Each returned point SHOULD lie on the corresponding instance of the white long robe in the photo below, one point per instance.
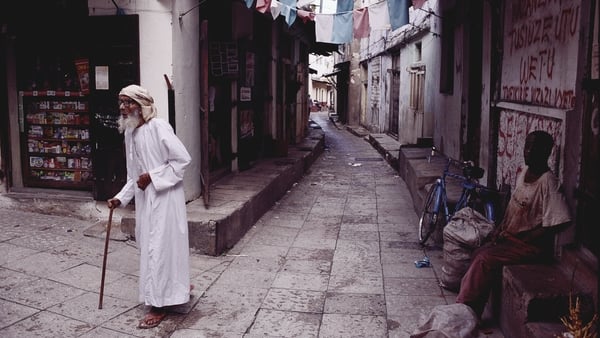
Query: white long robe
(160, 213)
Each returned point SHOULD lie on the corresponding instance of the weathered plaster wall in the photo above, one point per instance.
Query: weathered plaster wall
(539, 69)
(514, 127)
(375, 53)
(485, 151)
(355, 86)
(539, 65)
(410, 125)
(374, 95)
(449, 107)
(384, 98)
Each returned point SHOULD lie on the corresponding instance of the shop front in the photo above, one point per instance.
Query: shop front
(66, 62)
(67, 70)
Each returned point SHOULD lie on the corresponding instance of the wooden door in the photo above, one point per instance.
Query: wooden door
(394, 102)
(114, 46)
(587, 229)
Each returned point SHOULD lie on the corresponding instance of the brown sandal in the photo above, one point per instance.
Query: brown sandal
(154, 317)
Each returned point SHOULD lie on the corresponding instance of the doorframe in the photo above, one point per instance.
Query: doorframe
(105, 101)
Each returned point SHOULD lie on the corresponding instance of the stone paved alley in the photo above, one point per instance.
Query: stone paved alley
(333, 258)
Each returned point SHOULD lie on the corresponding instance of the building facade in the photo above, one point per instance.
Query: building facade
(475, 77)
(232, 82)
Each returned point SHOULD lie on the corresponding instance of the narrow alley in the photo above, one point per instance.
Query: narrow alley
(333, 258)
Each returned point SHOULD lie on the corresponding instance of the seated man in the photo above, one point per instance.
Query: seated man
(526, 235)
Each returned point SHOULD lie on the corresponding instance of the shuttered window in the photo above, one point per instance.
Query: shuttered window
(417, 87)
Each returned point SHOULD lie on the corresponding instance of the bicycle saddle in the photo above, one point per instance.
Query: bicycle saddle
(473, 172)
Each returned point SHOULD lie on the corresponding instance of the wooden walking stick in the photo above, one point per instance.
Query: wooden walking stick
(105, 254)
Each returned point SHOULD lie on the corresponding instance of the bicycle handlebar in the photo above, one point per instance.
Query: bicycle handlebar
(457, 163)
(471, 172)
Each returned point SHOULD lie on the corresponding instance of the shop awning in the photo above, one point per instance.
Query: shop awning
(338, 68)
(335, 72)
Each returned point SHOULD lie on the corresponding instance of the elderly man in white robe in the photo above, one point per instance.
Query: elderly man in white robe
(156, 161)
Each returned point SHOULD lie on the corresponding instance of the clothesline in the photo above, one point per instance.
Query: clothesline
(249, 4)
(347, 22)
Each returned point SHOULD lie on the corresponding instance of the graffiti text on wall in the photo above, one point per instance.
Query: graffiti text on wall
(540, 96)
(540, 52)
(514, 127)
(375, 90)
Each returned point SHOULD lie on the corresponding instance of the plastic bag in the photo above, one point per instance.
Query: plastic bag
(448, 321)
(468, 228)
(465, 232)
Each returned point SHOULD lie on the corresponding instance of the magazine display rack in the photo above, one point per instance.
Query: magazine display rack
(56, 129)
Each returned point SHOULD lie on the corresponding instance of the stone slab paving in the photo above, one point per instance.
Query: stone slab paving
(333, 258)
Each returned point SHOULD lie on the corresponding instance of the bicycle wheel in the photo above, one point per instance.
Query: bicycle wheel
(429, 216)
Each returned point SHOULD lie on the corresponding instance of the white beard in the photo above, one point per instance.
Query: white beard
(132, 121)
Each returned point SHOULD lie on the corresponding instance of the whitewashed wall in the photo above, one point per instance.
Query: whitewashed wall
(323, 65)
(374, 52)
(156, 42)
(169, 46)
(449, 107)
(410, 127)
(186, 82)
(448, 128)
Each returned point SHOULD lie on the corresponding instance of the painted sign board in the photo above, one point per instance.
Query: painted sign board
(540, 52)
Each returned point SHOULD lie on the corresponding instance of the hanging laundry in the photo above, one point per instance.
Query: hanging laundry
(334, 28)
(418, 3)
(379, 16)
(342, 27)
(288, 10)
(398, 11)
(275, 9)
(306, 15)
(344, 6)
(361, 23)
(324, 28)
(263, 5)
(302, 3)
(346, 23)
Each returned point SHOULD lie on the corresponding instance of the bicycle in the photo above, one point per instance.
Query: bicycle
(436, 209)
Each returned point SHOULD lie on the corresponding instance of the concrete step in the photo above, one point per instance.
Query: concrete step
(582, 267)
(544, 329)
(238, 200)
(71, 203)
(421, 172)
(533, 297)
(387, 146)
(537, 294)
(407, 153)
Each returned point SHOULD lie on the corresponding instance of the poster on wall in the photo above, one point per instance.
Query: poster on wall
(101, 77)
(541, 37)
(246, 123)
(223, 57)
(249, 69)
(83, 73)
(245, 94)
